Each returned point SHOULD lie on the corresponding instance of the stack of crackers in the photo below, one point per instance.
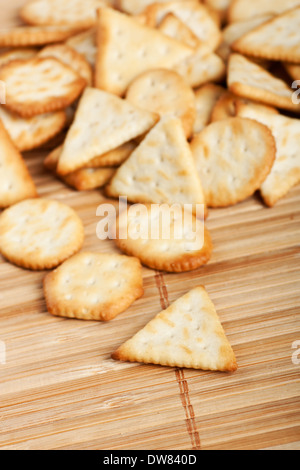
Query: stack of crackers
(176, 103)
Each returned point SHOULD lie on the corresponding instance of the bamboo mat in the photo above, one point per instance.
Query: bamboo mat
(59, 389)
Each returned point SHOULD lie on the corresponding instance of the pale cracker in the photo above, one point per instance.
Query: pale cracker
(164, 92)
(91, 136)
(241, 10)
(78, 13)
(285, 172)
(24, 36)
(17, 53)
(233, 158)
(126, 49)
(277, 39)
(201, 67)
(160, 170)
(135, 7)
(226, 106)
(94, 286)
(16, 183)
(234, 31)
(85, 44)
(31, 133)
(172, 241)
(174, 28)
(38, 86)
(70, 57)
(249, 80)
(40, 234)
(221, 7)
(193, 14)
(187, 334)
(206, 98)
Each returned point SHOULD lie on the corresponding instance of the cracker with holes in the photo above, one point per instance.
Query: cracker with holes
(90, 136)
(31, 133)
(285, 172)
(206, 98)
(233, 158)
(75, 13)
(40, 234)
(85, 44)
(94, 286)
(201, 67)
(187, 334)
(241, 10)
(24, 36)
(164, 92)
(160, 170)
(164, 237)
(249, 80)
(127, 48)
(16, 183)
(40, 85)
(70, 57)
(175, 28)
(278, 39)
(194, 15)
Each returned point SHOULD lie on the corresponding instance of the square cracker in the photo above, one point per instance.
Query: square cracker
(285, 172)
(127, 49)
(187, 334)
(16, 183)
(249, 80)
(160, 170)
(90, 136)
(277, 39)
(94, 286)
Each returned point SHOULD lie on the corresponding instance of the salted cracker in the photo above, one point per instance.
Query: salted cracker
(241, 10)
(285, 172)
(174, 28)
(164, 92)
(85, 44)
(187, 334)
(277, 39)
(93, 286)
(160, 170)
(16, 183)
(40, 234)
(193, 14)
(206, 98)
(127, 48)
(203, 66)
(78, 13)
(233, 158)
(40, 85)
(91, 136)
(31, 133)
(67, 55)
(23, 36)
(249, 80)
(164, 237)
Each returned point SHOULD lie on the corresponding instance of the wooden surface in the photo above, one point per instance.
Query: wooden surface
(60, 390)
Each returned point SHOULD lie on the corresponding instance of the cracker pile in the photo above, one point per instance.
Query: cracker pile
(181, 102)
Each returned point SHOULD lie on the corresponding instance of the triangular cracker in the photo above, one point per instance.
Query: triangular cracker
(127, 48)
(175, 28)
(249, 80)
(278, 39)
(160, 170)
(16, 183)
(285, 172)
(241, 10)
(102, 123)
(187, 334)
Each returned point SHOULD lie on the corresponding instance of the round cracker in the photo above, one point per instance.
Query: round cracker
(233, 158)
(165, 93)
(23, 36)
(40, 234)
(180, 243)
